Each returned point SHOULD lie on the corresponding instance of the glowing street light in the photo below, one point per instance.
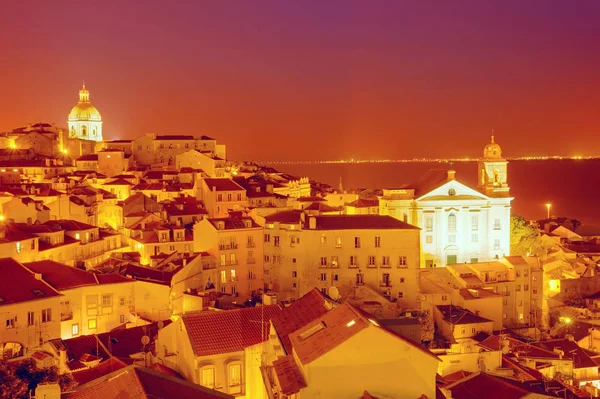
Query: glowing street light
(548, 208)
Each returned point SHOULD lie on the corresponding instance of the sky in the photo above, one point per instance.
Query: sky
(303, 80)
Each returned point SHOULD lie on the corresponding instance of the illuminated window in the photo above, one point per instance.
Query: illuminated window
(474, 238)
(223, 259)
(223, 276)
(338, 242)
(429, 223)
(474, 222)
(323, 239)
(18, 247)
(232, 258)
(75, 329)
(497, 224)
(207, 377)
(77, 236)
(312, 331)
(452, 222)
(232, 274)
(452, 239)
(234, 377)
(334, 261)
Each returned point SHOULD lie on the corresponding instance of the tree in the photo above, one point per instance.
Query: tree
(427, 327)
(17, 379)
(524, 238)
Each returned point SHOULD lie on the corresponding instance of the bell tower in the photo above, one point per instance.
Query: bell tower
(492, 172)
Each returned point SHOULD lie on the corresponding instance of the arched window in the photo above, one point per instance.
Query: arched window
(452, 222)
(207, 376)
(84, 131)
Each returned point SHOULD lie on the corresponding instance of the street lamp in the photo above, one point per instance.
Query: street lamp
(548, 208)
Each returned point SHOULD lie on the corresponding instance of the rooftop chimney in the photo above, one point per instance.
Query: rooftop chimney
(451, 174)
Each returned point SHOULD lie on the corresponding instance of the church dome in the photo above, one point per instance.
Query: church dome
(492, 151)
(84, 110)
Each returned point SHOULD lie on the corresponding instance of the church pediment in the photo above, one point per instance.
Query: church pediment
(451, 191)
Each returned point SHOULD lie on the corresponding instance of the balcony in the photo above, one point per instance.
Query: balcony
(250, 245)
(385, 266)
(64, 316)
(372, 266)
(323, 266)
(227, 246)
(335, 265)
(353, 266)
(385, 283)
(251, 261)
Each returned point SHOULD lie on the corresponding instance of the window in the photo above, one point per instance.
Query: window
(30, 318)
(429, 223)
(385, 261)
(429, 239)
(474, 238)
(232, 259)
(353, 261)
(312, 331)
(294, 285)
(267, 238)
(223, 258)
(335, 277)
(46, 315)
(377, 242)
(371, 261)
(474, 260)
(526, 287)
(323, 277)
(223, 276)
(444, 297)
(474, 222)
(207, 377)
(220, 197)
(75, 329)
(276, 241)
(294, 274)
(323, 239)
(229, 197)
(122, 318)
(402, 261)
(452, 239)
(356, 242)
(323, 261)
(504, 316)
(121, 301)
(496, 244)
(338, 242)
(520, 302)
(534, 291)
(401, 279)
(525, 273)
(534, 278)
(517, 273)
(234, 378)
(10, 323)
(106, 300)
(400, 294)
(18, 247)
(452, 222)
(334, 261)
(496, 224)
(267, 258)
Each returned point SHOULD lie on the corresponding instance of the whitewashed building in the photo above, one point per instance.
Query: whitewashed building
(458, 223)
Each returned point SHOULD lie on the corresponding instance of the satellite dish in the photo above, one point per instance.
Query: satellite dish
(145, 340)
(334, 293)
(161, 324)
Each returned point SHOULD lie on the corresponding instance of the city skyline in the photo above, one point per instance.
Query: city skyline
(313, 81)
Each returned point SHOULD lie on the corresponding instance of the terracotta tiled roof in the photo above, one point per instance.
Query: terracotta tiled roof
(357, 222)
(289, 375)
(571, 350)
(19, 284)
(457, 315)
(290, 217)
(318, 337)
(431, 180)
(148, 187)
(318, 206)
(483, 385)
(456, 376)
(311, 199)
(525, 350)
(69, 225)
(79, 347)
(62, 277)
(125, 342)
(364, 203)
(147, 274)
(309, 307)
(212, 333)
(477, 293)
(222, 184)
(104, 368)
(174, 137)
(233, 223)
(141, 383)
(88, 157)
(118, 182)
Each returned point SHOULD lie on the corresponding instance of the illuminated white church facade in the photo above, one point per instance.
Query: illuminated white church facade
(458, 223)
(84, 120)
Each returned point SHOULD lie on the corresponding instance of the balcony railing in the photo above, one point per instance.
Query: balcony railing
(385, 283)
(251, 261)
(323, 266)
(385, 265)
(227, 246)
(251, 245)
(353, 266)
(372, 266)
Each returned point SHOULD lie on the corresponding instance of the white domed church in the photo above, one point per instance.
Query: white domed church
(85, 121)
(459, 224)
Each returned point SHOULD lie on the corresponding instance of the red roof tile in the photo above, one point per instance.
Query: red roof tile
(142, 383)
(174, 137)
(364, 203)
(309, 307)
(23, 286)
(222, 184)
(123, 343)
(104, 368)
(62, 277)
(289, 375)
(228, 331)
(352, 222)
